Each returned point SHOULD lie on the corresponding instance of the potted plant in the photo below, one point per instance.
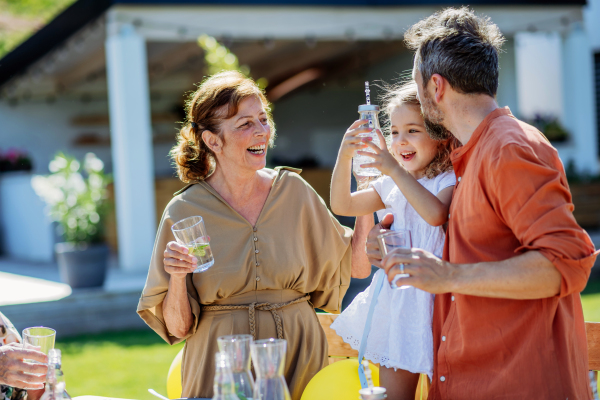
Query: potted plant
(76, 195)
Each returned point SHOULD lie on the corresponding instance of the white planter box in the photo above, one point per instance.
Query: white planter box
(25, 230)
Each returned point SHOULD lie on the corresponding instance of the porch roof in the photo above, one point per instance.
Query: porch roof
(83, 12)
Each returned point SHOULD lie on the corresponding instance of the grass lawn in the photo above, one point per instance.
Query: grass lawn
(590, 299)
(117, 364)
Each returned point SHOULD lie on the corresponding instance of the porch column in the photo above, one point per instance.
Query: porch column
(578, 97)
(131, 138)
(507, 88)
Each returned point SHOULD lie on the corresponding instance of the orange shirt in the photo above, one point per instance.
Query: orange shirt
(511, 197)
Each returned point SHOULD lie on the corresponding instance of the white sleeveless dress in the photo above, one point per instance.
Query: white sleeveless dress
(401, 335)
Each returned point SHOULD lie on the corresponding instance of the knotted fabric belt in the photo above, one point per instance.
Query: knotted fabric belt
(252, 307)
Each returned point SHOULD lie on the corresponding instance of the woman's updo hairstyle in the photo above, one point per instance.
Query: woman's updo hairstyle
(217, 98)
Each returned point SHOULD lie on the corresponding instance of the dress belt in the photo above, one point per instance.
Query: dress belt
(260, 307)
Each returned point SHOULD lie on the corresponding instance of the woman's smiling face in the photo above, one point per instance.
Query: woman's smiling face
(411, 144)
(246, 136)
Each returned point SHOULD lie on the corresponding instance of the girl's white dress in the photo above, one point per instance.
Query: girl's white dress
(401, 335)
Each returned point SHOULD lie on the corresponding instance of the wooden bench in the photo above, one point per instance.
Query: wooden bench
(340, 350)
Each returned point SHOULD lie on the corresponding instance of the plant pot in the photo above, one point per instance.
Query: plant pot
(82, 266)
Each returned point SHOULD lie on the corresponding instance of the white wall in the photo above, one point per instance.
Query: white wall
(539, 74)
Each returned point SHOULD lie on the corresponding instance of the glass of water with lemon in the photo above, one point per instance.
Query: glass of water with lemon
(191, 233)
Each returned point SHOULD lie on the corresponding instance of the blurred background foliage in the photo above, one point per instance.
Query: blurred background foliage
(19, 19)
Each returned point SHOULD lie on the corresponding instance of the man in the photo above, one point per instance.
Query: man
(508, 322)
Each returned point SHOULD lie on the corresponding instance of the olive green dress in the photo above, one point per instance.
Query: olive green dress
(297, 247)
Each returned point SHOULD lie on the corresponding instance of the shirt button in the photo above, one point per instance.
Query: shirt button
(256, 251)
(254, 229)
(257, 264)
(442, 378)
(452, 298)
(448, 215)
(443, 338)
(459, 178)
(257, 278)
(255, 238)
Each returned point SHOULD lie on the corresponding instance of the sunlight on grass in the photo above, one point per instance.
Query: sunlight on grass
(121, 364)
(590, 300)
(591, 307)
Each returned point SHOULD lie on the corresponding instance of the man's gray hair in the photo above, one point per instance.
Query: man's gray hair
(460, 46)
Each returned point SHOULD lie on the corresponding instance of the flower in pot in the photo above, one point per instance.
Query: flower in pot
(76, 196)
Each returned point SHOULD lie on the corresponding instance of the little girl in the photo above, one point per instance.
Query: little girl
(416, 186)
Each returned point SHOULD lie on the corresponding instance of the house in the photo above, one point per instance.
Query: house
(110, 76)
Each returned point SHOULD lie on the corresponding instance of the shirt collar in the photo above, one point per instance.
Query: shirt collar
(481, 128)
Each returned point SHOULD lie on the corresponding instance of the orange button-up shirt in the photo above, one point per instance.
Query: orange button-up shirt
(512, 197)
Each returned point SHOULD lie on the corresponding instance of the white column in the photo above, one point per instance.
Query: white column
(578, 96)
(508, 94)
(131, 137)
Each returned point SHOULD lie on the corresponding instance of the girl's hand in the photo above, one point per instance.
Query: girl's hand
(178, 263)
(352, 141)
(383, 160)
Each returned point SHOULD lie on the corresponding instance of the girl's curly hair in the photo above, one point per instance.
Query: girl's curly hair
(405, 93)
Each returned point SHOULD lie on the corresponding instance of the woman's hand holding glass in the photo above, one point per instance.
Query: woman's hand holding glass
(383, 160)
(177, 260)
(353, 140)
(16, 372)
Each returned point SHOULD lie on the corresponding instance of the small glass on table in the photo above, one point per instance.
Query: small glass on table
(393, 240)
(191, 233)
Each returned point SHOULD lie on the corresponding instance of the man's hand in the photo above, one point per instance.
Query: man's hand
(15, 372)
(427, 272)
(372, 245)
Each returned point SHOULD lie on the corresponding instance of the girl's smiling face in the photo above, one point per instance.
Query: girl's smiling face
(411, 144)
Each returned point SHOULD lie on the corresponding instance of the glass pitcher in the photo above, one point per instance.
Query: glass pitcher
(268, 357)
(237, 347)
(224, 387)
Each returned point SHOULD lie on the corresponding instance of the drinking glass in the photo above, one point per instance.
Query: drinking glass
(40, 337)
(369, 113)
(392, 240)
(268, 357)
(237, 348)
(191, 233)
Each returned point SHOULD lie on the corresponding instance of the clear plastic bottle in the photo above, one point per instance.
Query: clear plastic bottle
(224, 387)
(369, 112)
(55, 379)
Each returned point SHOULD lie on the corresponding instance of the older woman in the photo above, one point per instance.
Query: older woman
(273, 240)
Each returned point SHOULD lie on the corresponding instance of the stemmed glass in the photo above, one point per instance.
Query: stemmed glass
(392, 240)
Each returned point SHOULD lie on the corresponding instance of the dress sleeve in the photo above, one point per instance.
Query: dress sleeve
(447, 179)
(534, 201)
(327, 246)
(157, 283)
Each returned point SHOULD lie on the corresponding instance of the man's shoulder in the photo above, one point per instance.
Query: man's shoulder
(507, 133)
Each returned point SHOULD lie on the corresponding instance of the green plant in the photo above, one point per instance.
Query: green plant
(76, 200)
(219, 58)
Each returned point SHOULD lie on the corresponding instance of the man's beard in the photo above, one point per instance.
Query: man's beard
(433, 118)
